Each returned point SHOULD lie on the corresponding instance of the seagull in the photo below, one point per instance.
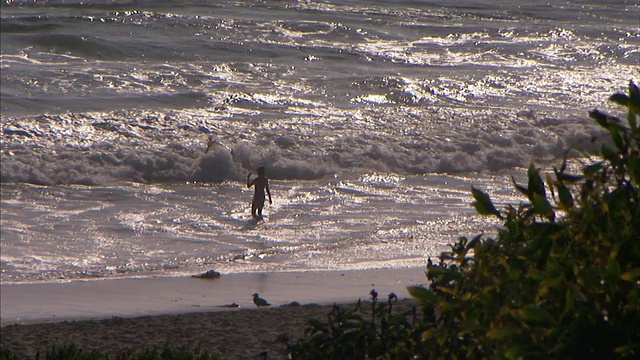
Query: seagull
(259, 301)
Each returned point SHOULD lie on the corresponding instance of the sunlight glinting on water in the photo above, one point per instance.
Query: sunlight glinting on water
(128, 127)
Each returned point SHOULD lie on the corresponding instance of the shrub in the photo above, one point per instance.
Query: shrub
(561, 279)
(350, 334)
(6, 354)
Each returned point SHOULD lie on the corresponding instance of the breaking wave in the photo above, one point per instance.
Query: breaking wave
(153, 147)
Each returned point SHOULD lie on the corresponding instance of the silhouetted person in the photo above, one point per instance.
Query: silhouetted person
(261, 184)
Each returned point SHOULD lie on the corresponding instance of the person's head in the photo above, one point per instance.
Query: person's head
(260, 171)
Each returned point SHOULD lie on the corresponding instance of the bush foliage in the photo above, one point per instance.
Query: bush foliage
(560, 280)
(360, 333)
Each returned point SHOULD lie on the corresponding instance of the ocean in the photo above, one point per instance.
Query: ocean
(129, 127)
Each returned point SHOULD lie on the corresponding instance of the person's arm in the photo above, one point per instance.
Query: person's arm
(248, 182)
(268, 192)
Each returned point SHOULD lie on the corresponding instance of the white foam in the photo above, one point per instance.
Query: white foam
(70, 149)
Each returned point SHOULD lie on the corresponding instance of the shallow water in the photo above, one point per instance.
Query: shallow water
(64, 232)
(129, 126)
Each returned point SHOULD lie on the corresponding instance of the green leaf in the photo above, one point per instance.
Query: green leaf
(631, 276)
(501, 333)
(567, 177)
(617, 138)
(634, 98)
(569, 299)
(599, 117)
(620, 99)
(536, 185)
(474, 242)
(564, 195)
(317, 324)
(422, 294)
(542, 206)
(517, 351)
(633, 164)
(609, 154)
(588, 276)
(631, 119)
(539, 275)
(519, 187)
(483, 203)
(536, 314)
(613, 267)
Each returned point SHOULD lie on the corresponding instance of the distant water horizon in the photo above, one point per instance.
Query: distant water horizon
(128, 127)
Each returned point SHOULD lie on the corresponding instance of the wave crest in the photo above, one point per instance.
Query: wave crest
(151, 147)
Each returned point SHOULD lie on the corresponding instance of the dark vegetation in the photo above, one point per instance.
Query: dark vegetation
(560, 280)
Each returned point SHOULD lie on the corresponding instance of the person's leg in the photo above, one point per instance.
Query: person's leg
(260, 206)
(254, 207)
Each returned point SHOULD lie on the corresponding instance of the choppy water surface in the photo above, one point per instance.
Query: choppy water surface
(63, 232)
(129, 127)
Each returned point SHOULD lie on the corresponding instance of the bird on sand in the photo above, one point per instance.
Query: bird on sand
(259, 301)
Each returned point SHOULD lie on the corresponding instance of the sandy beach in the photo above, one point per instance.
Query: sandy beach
(113, 315)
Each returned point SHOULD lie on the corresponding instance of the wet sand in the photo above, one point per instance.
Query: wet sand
(114, 315)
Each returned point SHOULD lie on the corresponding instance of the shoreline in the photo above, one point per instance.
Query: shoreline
(262, 333)
(113, 316)
(100, 299)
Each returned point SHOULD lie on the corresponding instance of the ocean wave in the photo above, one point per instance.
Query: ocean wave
(154, 147)
(83, 59)
(25, 25)
(14, 104)
(81, 3)
(306, 89)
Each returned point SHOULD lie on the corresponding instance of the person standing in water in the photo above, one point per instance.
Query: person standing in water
(261, 184)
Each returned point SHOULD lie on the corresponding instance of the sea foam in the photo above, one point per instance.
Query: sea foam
(155, 147)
